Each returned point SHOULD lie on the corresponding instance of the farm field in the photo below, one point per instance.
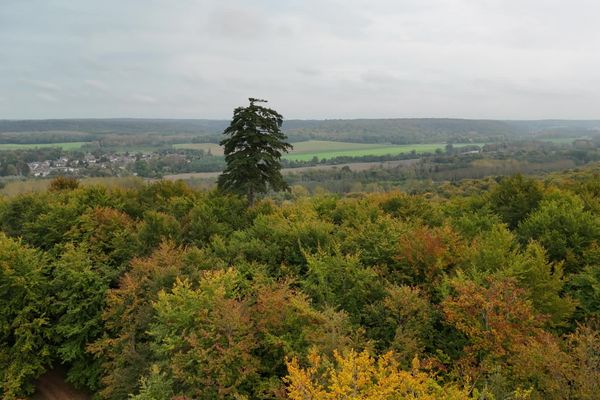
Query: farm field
(305, 151)
(19, 146)
(214, 148)
(310, 146)
(380, 150)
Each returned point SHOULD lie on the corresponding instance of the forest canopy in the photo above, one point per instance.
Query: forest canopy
(488, 291)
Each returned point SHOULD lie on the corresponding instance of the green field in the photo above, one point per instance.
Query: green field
(378, 150)
(64, 146)
(311, 146)
(305, 151)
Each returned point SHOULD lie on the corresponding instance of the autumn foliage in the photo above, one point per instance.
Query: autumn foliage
(486, 291)
(360, 376)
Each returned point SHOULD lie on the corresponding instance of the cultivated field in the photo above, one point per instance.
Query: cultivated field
(305, 151)
(64, 146)
(214, 148)
(328, 152)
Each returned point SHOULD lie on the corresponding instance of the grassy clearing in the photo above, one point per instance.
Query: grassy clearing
(64, 146)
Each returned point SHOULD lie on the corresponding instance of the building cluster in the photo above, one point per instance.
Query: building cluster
(75, 166)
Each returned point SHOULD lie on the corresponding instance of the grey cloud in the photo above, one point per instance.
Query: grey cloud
(143, 98)
(38, 84)
(47, 97)
(92, 63)
(379, 77)
(311, 58)
(237, 23)
(97, 85)
(308, 71)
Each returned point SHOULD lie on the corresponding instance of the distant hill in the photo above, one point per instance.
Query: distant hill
(116, 125)
(555, 124)
(558, 128)
(399, 131)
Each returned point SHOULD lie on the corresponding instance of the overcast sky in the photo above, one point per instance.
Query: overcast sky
(513, 59)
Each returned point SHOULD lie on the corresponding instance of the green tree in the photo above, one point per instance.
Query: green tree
(253, 150)
(25, 349)
(76, 300)
(585, 286)
(402, 322)
(544, 282)
(515, 198)
(124, 349)
(156, 227)
(206, 337)
(563, 226)
(339, 280)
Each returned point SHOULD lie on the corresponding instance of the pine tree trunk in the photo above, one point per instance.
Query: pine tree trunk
(250, 196)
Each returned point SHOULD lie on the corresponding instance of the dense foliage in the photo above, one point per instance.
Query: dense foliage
(485, 290)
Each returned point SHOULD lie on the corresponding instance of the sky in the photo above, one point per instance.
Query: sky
(312, 59)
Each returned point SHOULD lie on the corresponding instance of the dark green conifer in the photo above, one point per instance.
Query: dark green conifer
(253, 151)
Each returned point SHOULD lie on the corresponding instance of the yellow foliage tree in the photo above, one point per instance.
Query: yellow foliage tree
(360, 376)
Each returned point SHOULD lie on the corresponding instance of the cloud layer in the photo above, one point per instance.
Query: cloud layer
(313, 59)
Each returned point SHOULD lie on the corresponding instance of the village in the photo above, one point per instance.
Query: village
(70, 165)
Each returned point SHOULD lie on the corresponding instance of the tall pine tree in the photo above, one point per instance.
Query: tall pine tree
(253, 151)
